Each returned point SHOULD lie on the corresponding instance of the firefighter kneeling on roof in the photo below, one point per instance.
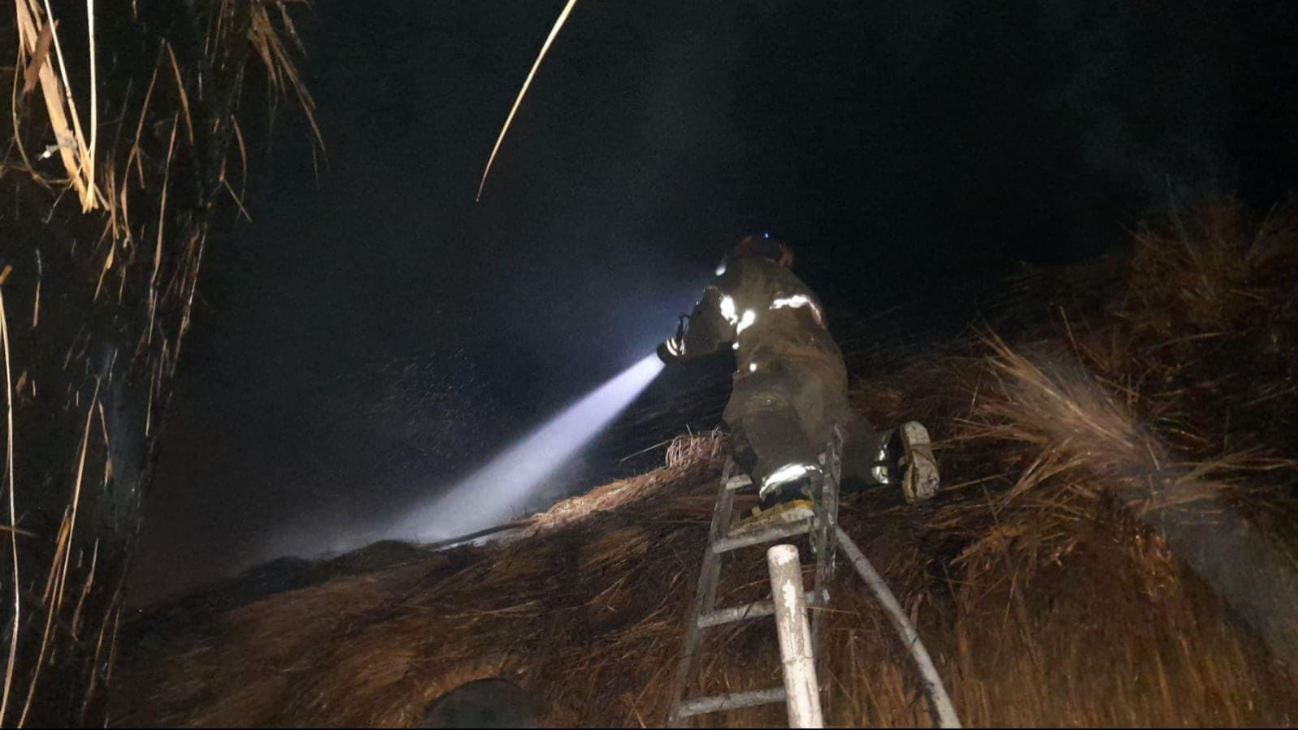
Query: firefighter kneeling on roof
(790, 388)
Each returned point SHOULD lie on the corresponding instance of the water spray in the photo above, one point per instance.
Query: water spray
(494, 494)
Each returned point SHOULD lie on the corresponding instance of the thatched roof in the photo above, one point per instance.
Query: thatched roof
(1065, 576)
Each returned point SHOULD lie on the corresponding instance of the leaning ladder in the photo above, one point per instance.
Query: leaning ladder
(823, 531)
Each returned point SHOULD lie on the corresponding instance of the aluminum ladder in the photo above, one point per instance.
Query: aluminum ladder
(823, 532)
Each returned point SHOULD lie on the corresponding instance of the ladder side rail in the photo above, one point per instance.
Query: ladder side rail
(705, 596)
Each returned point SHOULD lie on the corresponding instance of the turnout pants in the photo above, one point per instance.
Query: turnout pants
(785, 413)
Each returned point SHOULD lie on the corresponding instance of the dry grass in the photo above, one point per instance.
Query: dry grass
(38, 31)
(11, 659)
(522, 93)
(63, 148)
(93, 173)
(1215, 275)
(267, 39)
(1055, 580)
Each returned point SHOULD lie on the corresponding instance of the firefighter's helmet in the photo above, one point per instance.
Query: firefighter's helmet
(764, 246)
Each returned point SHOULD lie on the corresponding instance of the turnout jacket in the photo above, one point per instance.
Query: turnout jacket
(786, 358)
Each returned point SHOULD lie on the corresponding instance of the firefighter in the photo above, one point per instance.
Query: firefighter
(790, 387)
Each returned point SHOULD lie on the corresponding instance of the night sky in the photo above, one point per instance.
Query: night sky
(374, 332)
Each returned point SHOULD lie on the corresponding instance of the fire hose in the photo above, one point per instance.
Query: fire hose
(933, 686)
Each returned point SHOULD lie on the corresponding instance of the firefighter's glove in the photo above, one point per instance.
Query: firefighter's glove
(671, 351)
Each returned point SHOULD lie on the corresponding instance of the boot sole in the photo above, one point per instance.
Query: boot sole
(922, 480)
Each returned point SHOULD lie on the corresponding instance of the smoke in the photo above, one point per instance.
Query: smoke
(1140, 89)
(499, 491)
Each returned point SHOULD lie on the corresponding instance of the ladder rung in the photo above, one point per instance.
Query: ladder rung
(738, 482)
(772, 534)
(758, 609)
(735, 701)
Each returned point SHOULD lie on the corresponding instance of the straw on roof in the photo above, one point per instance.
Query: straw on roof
(1067, 575)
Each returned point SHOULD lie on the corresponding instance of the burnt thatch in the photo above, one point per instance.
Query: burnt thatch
(1100, 469)
(122, 140)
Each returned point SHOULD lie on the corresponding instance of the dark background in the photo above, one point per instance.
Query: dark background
(374, 332)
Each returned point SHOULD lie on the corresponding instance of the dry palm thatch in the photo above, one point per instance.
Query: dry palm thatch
(122, 119)
(1054, 579)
